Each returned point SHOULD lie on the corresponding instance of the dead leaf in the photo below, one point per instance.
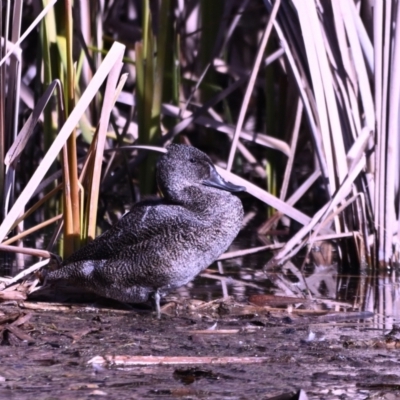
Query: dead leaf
(4, 319)
(275, 301)
(19, 333)
(77, 335)
(15, 295)
(22, 319)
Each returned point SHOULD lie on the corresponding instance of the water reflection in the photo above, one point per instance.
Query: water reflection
(380, 293)
(6, 263)
(377, 292)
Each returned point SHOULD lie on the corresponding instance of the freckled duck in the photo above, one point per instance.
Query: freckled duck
(161, 244)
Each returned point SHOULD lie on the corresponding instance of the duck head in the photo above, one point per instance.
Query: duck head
(185, 168)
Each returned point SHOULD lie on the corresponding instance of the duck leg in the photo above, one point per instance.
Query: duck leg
(157, 298)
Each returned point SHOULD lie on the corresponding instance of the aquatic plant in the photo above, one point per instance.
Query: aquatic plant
(303, 96)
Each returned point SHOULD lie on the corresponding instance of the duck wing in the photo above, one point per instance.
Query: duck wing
(132, 229)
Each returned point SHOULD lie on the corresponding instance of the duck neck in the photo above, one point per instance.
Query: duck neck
(200, 199)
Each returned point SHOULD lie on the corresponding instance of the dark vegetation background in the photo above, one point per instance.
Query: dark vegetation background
(297, 98)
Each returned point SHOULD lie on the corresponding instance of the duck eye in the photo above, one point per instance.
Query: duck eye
(192, 160)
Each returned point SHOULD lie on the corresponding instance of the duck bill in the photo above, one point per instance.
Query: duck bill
(216, 180)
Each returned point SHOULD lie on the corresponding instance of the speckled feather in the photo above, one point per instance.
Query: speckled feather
(160, 244)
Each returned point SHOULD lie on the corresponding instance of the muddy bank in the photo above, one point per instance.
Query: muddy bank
(211, 351)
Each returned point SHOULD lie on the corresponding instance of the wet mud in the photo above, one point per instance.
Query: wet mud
(216, 350)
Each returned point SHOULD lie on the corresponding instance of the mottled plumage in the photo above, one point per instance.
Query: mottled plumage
(161, 244)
